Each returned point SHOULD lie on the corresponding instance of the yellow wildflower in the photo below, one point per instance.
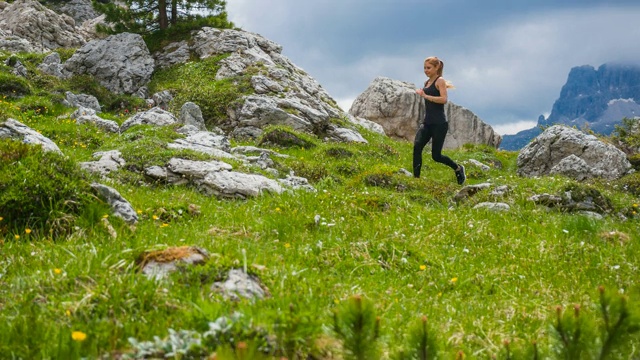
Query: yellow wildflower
(139, 211)
(423, 267)
(1, 218)
(67, 312)
(164, 225)
(454, 280)
(155, 217)
(57, 271)
(27, 231)
(277, 209)
(336, 301)
(17, 236)
(287, 245)
(78, 336)
(105, 216)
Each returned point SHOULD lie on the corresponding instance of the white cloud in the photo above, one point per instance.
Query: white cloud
(514, 127)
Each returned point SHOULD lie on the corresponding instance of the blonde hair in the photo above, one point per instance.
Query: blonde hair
(439, 65)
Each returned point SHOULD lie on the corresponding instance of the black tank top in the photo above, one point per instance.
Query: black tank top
(435, 112)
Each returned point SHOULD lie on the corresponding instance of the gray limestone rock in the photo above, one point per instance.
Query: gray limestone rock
(14, 129)
(119, 205)
(570, 152)
(240, 284)
(42, 27)
(190, 114)
(107, 162)
(121, 63)
(154, 116)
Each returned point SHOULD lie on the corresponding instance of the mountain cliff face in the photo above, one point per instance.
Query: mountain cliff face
(594, 98)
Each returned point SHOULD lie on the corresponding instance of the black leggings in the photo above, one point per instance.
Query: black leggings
(437, 133)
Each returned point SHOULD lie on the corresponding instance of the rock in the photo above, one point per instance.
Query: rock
(470, 190)
(190, 114)
(500, 191)
(172, 54)
(345, 135)
(367, 124)
(240, 284)
(214, 178)
(493, 206)
(79, 10)
(43, 28)
(159, 264)
(154, 116)
(399, 110)
(205, 142)
(162, 99)
(477, 163)
(571, 153)
(82, 100)
(465, 127)
(107, 162)
(121, 62)
(15, 44)
(84, 115)
(120, 207)
(19, 69)
(393, 104)
(51, 65)
(297, 182)
(14, 129)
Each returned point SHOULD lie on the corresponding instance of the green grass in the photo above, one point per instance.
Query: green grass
(404, 245)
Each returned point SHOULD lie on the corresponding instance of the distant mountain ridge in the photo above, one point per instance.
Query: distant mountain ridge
(594, 98)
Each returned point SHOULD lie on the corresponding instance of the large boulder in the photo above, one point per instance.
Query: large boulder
(79, 10)
(572, 153)
(42, 27)
(395, 105)
(121, 63)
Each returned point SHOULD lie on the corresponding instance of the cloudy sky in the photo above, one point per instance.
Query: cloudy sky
(507, 59)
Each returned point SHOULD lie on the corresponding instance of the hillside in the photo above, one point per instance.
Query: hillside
(335, 253)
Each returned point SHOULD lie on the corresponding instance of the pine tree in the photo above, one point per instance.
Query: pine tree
(148, 16)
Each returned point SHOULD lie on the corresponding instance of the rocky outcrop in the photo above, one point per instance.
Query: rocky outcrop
(41, 27)
(572, 153)
(121, 63)
(13, 129)
(395, 105)
(284, 93)
(79, 10)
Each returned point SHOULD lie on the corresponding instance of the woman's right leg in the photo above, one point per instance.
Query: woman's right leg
(422, 138)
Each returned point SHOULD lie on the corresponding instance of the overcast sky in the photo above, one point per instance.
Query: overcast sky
(507, 59)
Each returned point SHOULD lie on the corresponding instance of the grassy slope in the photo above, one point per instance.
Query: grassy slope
(480, 277)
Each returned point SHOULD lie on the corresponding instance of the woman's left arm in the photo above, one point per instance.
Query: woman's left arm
(441, 84)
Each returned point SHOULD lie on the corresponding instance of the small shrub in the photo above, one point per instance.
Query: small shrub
(13, 86)
(286, 138)
(339, 153)
(40, 189)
